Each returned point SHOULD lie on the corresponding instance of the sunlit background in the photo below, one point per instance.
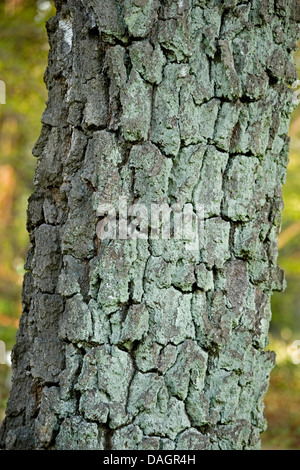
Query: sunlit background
(23, 57)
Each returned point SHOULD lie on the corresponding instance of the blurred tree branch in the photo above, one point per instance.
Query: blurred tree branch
(289, 233)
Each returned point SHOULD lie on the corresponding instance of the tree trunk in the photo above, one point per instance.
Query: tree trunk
(143, 343)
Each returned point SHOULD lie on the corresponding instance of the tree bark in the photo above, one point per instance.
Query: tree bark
(142, 343)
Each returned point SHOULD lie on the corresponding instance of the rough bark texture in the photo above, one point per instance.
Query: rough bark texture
(142, 344)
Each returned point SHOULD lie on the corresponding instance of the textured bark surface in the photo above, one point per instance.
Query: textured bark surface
(143, 344)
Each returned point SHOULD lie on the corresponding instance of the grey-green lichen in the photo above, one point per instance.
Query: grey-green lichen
(144, 344)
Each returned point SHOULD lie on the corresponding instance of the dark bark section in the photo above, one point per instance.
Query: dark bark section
(142, 344)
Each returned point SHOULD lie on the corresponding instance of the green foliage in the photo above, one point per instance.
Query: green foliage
(23, 55)
(286, 307)
(283, 409)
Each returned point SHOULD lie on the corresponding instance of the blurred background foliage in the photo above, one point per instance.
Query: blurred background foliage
(23, 58)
